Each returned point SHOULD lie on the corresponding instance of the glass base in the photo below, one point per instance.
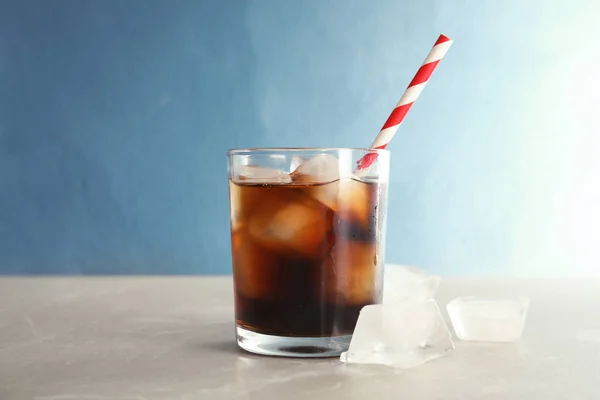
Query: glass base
(285, 346)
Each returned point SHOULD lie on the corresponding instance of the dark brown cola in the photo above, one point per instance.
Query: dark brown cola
(306, 256)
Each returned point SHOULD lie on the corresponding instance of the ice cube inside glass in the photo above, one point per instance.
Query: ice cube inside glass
(308, 242)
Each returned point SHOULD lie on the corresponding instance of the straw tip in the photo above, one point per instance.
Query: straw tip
(443, 39)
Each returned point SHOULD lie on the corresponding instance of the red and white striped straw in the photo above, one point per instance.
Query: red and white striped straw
(411, 94)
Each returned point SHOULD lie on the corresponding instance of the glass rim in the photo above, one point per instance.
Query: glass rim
(249, 150)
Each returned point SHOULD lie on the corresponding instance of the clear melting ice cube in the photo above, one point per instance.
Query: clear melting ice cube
(401, 335)
(404, 283)
(295, 162)
(488, 320)
(319, 169)
(257, 174)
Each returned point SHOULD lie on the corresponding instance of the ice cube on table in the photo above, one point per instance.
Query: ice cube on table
(408, 283)
(488, 320)
(401, 335)
(321, 168)
(258, 174)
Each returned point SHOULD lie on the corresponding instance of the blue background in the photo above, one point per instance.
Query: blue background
(115, 117)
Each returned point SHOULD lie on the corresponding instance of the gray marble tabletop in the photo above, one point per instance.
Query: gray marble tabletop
(151, 338)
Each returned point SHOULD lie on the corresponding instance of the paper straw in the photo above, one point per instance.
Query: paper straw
(411, 94)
